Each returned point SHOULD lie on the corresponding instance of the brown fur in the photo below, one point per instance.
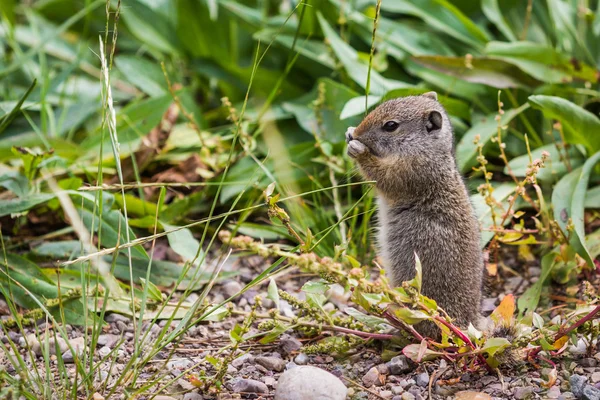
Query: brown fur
(424, 205)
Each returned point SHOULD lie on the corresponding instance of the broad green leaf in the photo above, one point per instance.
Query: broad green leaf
(150, 27)
(356, 68)
(8, 118)
(144, 74)
(486, 71)
(568, 199)
(273, 292)
(541, 62)
(466, 150)
(443, 16)
(493, 346)
(410, 316)
(369, 320)
(28, 275)
(184, 243)
(111, 228)
(16, 206)
(580, 126)
(325, 121)
(315, 287)
(74, 314)
(492, 11)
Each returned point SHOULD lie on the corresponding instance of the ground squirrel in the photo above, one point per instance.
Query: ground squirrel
(406, 145)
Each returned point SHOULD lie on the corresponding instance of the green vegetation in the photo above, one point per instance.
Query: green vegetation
(123, 124)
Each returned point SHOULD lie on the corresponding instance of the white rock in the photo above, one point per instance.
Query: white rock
(309, 383)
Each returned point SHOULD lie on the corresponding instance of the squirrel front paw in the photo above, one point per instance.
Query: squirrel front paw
(356, 148)
(349, 133)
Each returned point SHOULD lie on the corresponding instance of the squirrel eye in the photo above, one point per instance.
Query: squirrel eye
(390, 126)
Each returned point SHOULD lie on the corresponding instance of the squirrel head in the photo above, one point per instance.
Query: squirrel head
(403, 140)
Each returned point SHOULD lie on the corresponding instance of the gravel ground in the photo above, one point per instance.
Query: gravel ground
(256, 370)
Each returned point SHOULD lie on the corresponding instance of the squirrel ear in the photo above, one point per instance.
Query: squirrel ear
(431, 95)
(434, 121)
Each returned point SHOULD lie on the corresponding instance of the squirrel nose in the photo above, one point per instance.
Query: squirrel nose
(349, 133)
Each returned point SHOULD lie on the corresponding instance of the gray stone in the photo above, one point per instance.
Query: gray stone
(289, 344)
(590, 393)
(522, 393)
(231, 288)
(114, 317)
(577, 382)
(193, 396)
(398, 365)
(238, 362)
(553, 392)
(309, 383)
(488, 305)
(370, 377)
(596, 377)
(271, 363)
(301, 359)
(108, 340)
(249, 386)
(423, 379)
(386, 394)
(408, 396)
(588, 362)
(397, 389)
(179, 364)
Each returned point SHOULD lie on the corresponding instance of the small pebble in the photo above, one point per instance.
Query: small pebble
(249, 386)
(522, 393)
(370, 377)
(271, 363)
(423, 379)
(309, 383)
(398, 365)
(301, 359)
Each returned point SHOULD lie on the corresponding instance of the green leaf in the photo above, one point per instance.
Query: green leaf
(184, 243)
(356, 68)
(568, 199)
(492, 11)
(150, 27)
(443, 16)
(8, 118)
(369, 320)
(529, 300)
(541, 62)
(411, 317)
(75, 314)
(273, 292)
(28, 275)
(275, 333)
(486, 71)
(144, 74)
(580, 126)
(153, 291)
(16, 206)
(493, 346)
(486, 128)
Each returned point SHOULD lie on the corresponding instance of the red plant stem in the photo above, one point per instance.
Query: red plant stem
(577, 324)
(456, 331)
(396, 322)
(367, 335)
